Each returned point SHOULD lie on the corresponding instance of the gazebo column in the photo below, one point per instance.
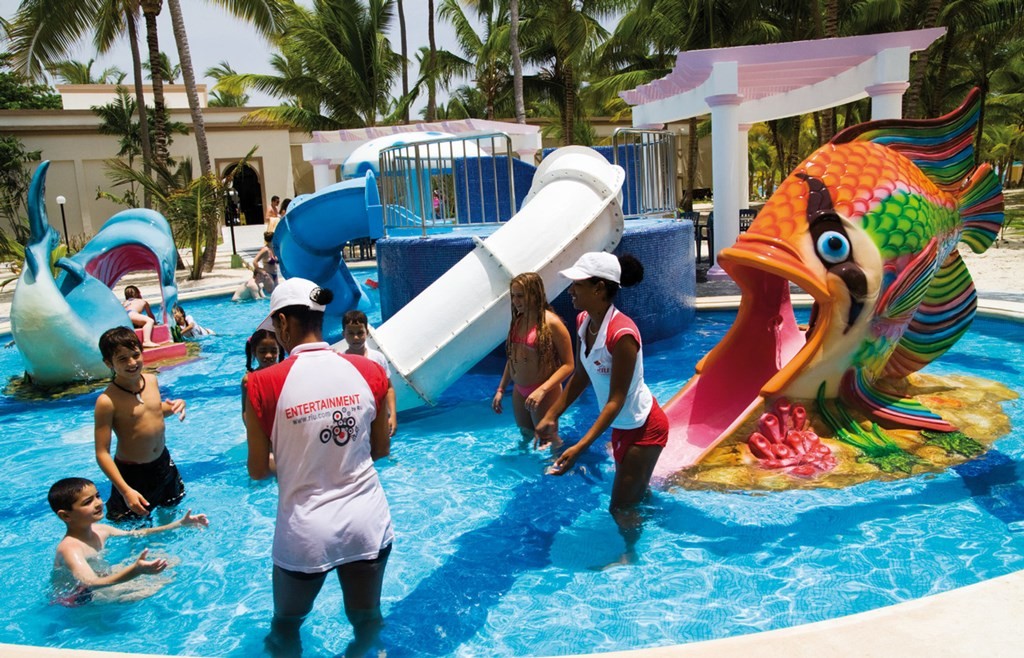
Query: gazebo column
(322, 174)
(892, 70)
(725, 178)
(743, 164)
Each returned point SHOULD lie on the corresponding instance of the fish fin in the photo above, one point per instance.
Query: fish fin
(75, 270)
(904, 294)
(981, 208)
(943, 317)
(888, 408)
(943, 148)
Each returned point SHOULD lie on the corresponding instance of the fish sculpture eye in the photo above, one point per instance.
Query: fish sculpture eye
(833, 247)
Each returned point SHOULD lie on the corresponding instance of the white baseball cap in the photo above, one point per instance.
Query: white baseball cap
(292, 292)
(594, 264)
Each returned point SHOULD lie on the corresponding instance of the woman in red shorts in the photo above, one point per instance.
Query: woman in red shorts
(609, 357)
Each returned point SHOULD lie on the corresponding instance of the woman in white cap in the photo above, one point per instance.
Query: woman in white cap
(609, 357)
(317, 412)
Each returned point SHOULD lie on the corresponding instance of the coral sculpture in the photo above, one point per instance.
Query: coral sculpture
(786, 441)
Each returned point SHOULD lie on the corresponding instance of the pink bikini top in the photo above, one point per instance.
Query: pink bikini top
(530, 341)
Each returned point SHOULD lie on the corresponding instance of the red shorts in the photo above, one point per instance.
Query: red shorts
(654, 432)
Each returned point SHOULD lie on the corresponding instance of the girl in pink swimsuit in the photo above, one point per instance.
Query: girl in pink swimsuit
(539, 353)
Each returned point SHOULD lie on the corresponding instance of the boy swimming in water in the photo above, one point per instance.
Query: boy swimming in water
(78, 504)
(142, 473)
(357, 326)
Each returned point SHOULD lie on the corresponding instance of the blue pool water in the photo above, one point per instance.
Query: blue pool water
(493, 558)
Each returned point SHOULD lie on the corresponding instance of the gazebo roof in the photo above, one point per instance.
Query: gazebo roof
(778, 79)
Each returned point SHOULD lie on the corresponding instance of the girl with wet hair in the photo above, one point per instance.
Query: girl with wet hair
(539, 356)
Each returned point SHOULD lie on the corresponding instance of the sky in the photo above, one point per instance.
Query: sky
(215, 36)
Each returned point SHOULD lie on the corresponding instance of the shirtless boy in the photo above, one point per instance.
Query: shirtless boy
(140, 314)
(142, 473)
(78, 504)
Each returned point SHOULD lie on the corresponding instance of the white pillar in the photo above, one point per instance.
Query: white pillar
(743, 165)
(887, 100)
(322, 174)
(725, 181)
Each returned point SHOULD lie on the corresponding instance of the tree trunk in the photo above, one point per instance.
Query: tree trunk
(405, 58)
(150, 10)
(189, 78)
(935, 106)
(517, 61)
(828, 115)
(913, 104)
(140, 104)
(432, 85)
(569, 116)
(693, 151)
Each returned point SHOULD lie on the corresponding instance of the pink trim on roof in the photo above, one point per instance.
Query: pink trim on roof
(454, 127)
(777, 68)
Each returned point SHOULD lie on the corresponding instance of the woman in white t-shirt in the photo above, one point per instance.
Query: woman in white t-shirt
(320, 414)
(609, 357)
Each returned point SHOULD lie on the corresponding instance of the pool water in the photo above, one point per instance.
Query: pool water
(493, 558)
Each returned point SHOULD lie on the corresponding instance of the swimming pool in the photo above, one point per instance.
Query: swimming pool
(493, 558)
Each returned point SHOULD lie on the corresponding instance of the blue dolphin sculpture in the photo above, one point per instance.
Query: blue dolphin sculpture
(57, 321)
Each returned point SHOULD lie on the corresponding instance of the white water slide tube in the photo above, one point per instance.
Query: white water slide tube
(573, 207)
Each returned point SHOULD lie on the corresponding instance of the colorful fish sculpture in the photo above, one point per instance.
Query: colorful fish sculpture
(868, 226)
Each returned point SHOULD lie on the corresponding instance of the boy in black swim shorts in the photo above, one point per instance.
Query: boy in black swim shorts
(142, 473)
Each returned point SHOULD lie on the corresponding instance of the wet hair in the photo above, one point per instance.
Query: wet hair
(253, 342)
(535, 315)
(176, 308)
(632, 273)
(64, 493)
(132, 292)
(355, 316)
(268, 236)
(308, 319)
(115, 338)
(284, 206)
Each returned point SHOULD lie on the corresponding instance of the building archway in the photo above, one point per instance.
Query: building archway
(250, 193)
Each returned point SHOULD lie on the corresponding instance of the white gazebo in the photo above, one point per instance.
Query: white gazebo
(743, 85)
(330, 149)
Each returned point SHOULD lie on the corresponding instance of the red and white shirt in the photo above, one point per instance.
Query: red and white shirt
(317, 407)
(598, 365)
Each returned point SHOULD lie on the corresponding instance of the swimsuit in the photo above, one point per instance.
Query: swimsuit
(80, 595)
(530, 343)
(526, 390)
(158, 481)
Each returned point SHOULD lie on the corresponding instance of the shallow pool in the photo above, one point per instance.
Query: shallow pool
(493, 558)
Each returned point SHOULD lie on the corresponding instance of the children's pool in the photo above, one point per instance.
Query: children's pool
(492, 557)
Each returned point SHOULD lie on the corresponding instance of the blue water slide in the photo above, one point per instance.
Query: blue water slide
(309, 238)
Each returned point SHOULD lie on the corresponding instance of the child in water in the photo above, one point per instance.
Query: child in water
(141, 471)
(539, 353)
(78, 504)
(264, 348)
(357, 326)
(140, 314)
(187, 325)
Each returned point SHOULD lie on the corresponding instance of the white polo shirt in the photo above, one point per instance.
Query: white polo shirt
(317, 407)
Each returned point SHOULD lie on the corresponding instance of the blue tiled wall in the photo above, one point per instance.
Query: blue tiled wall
(663, 305)
(487, 200)
(628, 161)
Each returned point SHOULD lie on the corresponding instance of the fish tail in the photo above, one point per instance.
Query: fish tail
(981, 208)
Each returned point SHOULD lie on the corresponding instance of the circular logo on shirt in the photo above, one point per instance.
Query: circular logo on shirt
(341, 430)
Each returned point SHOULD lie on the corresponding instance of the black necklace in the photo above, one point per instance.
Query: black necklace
(137, 394)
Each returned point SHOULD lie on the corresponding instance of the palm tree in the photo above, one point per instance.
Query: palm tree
(430, 63)
(72, 72)
(224, 94)
(42, 31)
(168, 72)
(517, 60)
(561, 36)
(405, 57)
(334, 71)
(488, 51)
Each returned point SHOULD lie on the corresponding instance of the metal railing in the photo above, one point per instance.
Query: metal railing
(447, 182)
(649, 159)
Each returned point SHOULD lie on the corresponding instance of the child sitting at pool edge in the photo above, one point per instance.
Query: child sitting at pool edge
(140, 314)
(142, 473)
(78, 504)
(356, 327)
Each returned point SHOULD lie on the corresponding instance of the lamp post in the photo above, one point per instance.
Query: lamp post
(232, 194)
(64, 220)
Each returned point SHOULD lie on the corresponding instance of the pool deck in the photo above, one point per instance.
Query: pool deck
(977, 619)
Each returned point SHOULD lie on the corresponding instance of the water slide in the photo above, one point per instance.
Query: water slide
(573, 207)
(309, 238)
